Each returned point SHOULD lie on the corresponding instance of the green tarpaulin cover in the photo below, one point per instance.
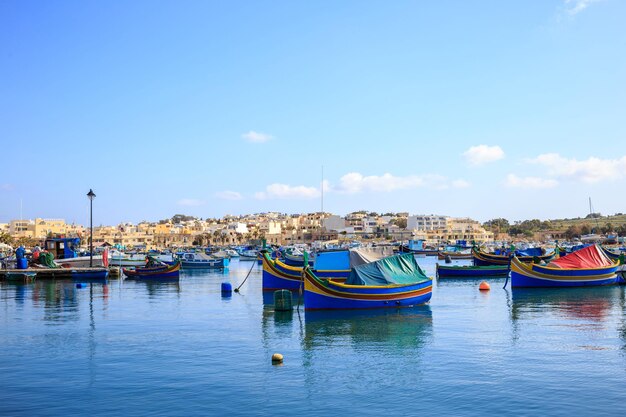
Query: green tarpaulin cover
(398, 269)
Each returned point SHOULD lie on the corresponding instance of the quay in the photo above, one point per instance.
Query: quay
(58, 273)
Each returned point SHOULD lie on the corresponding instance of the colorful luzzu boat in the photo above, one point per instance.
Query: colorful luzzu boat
(395, 281)
(586, 267)
(482, 258)
(164, 272)
(279, 276)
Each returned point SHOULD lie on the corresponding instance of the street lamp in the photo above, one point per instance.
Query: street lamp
(91, 195)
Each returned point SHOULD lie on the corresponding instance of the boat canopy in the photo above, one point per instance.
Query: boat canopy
(398, 269)
(332, 261)
(529, 252)
(368, 255)
(590, 257)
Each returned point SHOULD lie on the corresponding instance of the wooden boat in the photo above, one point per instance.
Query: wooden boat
(92, 274)
(457, 271)
(279, 276)
(395, 281)
(482, 258)
(417, 247)
(16, 275)
(441, 255)
(193, 260)
(169, 272)
(586, 267)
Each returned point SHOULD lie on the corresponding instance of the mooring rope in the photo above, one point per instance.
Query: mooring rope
(244, 281)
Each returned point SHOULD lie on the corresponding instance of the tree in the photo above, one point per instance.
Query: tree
(401, 222)
(497, 225)
(6, 238)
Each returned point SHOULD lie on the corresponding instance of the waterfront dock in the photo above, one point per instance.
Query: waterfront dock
(57, 273)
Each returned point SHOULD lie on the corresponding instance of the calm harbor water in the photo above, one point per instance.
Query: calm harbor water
(134, 348)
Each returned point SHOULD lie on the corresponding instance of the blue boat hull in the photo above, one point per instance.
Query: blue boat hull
(276, 276)
(329, 295)
(532, 275)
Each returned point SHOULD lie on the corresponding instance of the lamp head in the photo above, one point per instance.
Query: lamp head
(91, 195)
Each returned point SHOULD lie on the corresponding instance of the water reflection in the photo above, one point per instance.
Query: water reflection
(593, 304)
(408, 328)
(156, 289)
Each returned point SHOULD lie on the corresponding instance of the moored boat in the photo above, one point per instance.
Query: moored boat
(395, 281)
(441, 255)
(482, 258)
(196, 260)
(278, 275)
(586, 267)
(169, 272)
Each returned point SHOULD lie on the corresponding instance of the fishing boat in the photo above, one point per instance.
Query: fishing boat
(66, 253)
(163, 271)
(89, 274)
(482, 258)
(441, 255)
(417, 247)
(470, 271)
(395, 281)
(586, 267)
(196, 260)
(125, 260)
(278, 275)
(249, 255)
(17, 275)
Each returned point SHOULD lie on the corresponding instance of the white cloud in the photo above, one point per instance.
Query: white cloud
(190, 202)
(513, 181)
(355, 182)
(284, 191)
(483, 154)
(460, 183)
(257, 137)
(591, 170)
(573, 7)
(6, 187)
(229, 195)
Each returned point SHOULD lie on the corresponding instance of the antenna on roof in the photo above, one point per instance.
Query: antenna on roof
(322, 190)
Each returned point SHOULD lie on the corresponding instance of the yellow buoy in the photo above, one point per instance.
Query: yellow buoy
(484, 286)
(277, 358)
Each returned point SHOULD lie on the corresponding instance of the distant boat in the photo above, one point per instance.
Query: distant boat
(395, 281)
(196, 260)
(482, 258)
(589, 266)
(454, 255)
(249, 255)
(158, 272)
(417, 247)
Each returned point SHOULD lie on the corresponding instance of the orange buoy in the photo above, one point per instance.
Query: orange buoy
(484, 286)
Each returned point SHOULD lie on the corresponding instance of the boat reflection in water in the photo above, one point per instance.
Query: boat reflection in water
(586, 303)
(404, 328)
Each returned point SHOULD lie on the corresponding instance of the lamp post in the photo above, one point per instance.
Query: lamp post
(91, 195)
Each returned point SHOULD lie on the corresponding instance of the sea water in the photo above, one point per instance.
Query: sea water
(137, 348)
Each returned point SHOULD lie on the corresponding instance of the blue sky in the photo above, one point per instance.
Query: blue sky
(480, 109)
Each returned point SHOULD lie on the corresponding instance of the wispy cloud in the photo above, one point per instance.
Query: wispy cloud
(190, 202)
(6, 187)
(284, 191)
(257, 137)
(483, 154)
(590, 171)
(461, 183)
(229, 195)
(573, 7)
(513, 181)
(355, 182)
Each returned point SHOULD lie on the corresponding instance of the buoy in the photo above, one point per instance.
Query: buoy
(277, 358)
(484, 286)
(227, 289)
(79, 285)
(283, 300)
(447, 259)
